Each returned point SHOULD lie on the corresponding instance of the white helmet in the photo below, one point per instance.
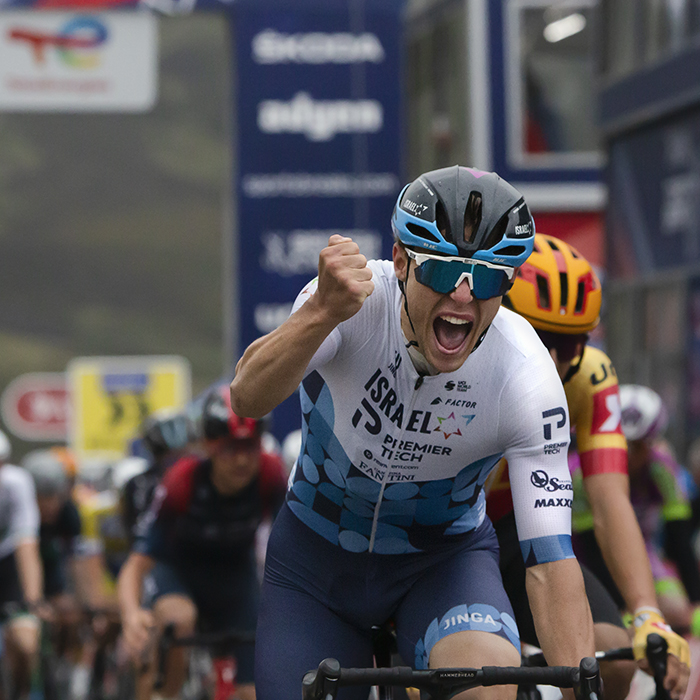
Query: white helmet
(125, 469)
(5, 448)
(48, 472)
(643, 412)
(291, 447)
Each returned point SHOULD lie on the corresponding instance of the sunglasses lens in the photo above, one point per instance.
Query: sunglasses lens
(489, 282)
(442, 276)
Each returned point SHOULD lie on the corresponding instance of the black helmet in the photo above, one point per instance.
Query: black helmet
(165, 431)
(219, 420)
(466, 213)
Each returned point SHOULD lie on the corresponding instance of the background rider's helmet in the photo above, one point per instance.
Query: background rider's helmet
(291, 447)
(643, 412)
(219, 420)
(5, 448)
(48, 471)
(556, 290)
(466, 213)
(126, 469)
(165, 431)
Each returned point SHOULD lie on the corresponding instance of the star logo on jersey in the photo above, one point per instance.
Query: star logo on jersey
(448, 426)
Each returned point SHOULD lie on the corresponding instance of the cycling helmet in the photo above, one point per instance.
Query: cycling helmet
(5, 448)
(125, 470)
(643, 412)
(467, 213)
(291, 447)
(67, 458)
(219, 420)
(556, 289)
(48, 471)
(165, 431)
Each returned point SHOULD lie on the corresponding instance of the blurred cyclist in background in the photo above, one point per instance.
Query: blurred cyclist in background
(21, 575)
(165, 435)
(198, 543)
(558, 291)
(662, 506)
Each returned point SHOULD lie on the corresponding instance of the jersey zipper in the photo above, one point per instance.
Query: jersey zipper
(375, 519)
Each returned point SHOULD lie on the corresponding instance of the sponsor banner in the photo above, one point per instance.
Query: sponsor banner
(319, 148)
(36, 406)
(652, 218)
(69, 62)
(113, 395)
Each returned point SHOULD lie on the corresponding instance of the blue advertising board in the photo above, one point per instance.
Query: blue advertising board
(319, 140)
(652, 218)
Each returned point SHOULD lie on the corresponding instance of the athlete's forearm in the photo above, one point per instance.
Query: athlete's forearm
(130, 582)
(620, 539)
(30, 570)
(273, 366)
(560, 611)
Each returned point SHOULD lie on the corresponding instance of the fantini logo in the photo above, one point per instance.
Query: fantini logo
(75, 42)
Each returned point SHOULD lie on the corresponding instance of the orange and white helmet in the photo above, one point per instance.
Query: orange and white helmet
(556, 289)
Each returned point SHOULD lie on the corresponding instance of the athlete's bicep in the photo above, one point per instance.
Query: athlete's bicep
(537, 461)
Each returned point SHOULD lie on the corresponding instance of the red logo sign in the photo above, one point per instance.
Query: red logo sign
(36, 406)
(606, 411)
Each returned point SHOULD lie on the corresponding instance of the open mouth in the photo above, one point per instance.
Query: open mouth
(451, 332)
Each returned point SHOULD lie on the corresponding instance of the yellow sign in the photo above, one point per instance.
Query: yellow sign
(112, 396)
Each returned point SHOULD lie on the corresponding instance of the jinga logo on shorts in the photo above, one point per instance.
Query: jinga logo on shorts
(457, 620)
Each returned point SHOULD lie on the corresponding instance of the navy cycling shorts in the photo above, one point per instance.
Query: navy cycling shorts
(226, 599)
(320, 601)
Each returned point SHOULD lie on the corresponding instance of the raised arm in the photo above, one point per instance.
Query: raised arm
(273, 366)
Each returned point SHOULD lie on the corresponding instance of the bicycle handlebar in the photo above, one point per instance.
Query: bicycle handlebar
(443, 683)
(214, 639)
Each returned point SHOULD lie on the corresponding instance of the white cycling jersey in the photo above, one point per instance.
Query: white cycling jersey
(19, 514)
(395, 462)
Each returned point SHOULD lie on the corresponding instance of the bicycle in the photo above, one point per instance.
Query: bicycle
(443, 683)
(212, 675)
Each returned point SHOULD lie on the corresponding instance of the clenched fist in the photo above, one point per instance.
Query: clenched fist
(344, 280)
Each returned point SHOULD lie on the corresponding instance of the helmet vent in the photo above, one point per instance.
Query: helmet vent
(472, 217)
(553, 245)
(564, 284)
(580, 297)
(421, 232)
(442, 221)
(543, 292)
(513, 250)
(496, 234)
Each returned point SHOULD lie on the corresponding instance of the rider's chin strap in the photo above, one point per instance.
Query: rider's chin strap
(402, 287)
(573, 369)
(481, 338)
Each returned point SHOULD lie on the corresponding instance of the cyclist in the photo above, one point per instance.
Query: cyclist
(414, 383)
(21, 575)
(662, 506)
(198, 542)
(165, 436)
(558, 292)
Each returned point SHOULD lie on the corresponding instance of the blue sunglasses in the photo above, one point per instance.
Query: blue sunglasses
(443, 274)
